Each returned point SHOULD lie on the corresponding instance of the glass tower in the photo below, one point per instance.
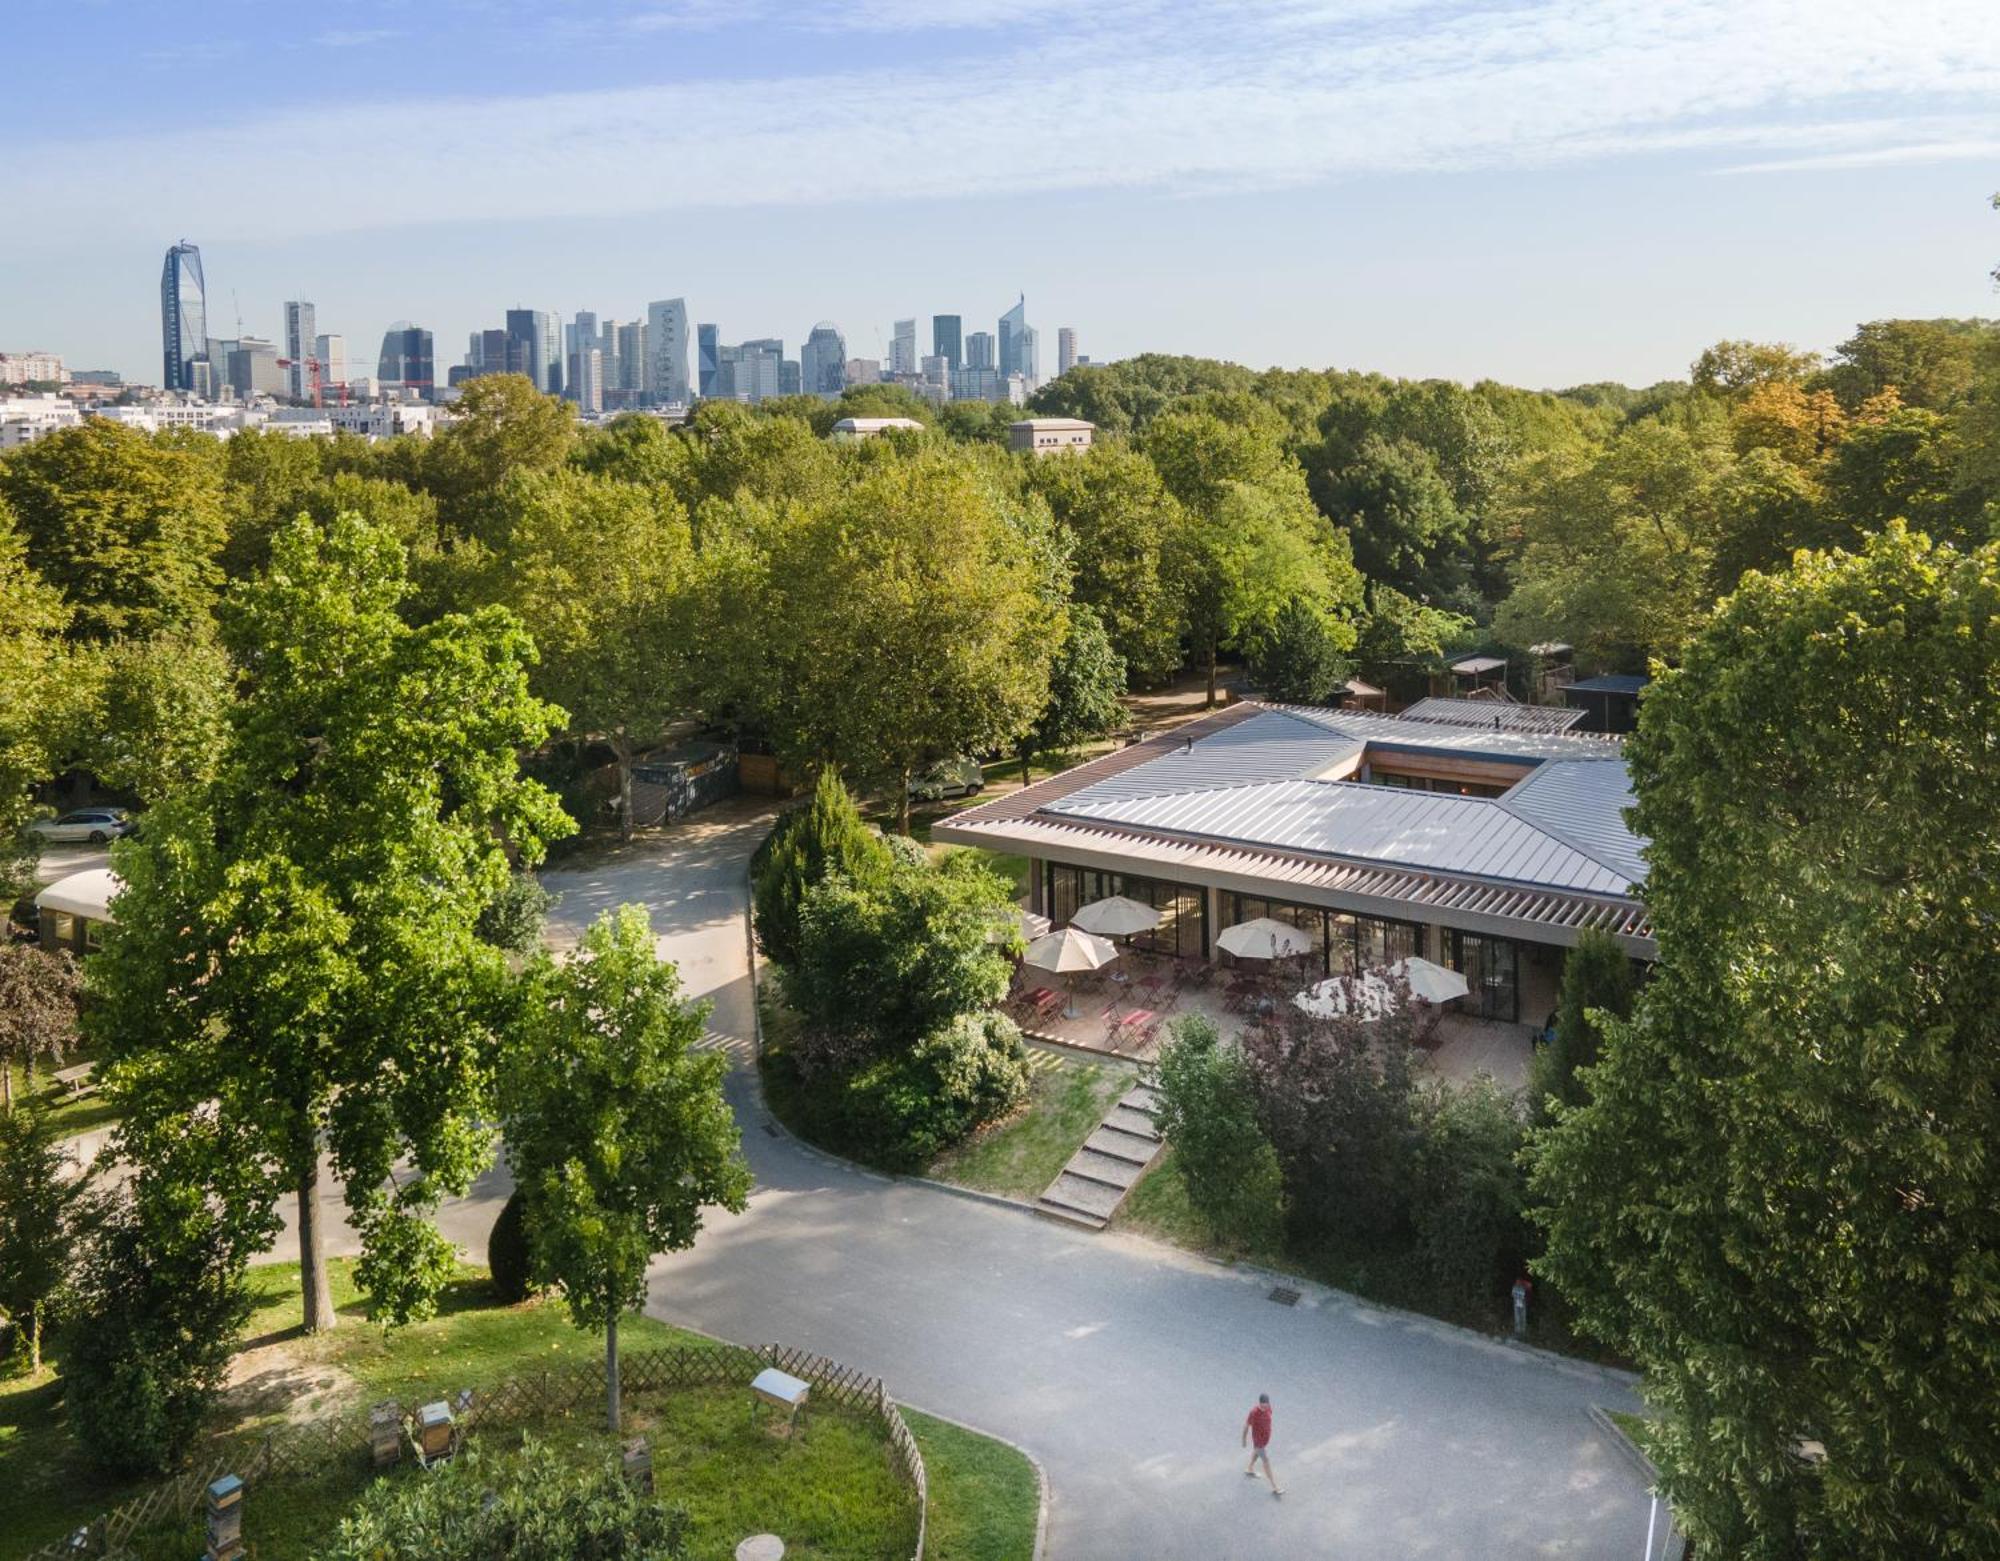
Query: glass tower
(183, 318)
(947, 341)
(1014, 340)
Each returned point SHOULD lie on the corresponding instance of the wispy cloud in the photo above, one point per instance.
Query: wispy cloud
(1125, 93)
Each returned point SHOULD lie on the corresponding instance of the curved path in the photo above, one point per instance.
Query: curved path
(1123, 1365)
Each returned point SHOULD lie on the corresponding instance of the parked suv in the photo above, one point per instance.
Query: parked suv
(961, 777)
(96, 825)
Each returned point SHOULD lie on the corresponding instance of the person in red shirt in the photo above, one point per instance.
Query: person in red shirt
(1257, 1433)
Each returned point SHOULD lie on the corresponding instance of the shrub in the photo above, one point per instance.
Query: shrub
(507, 1256)
(825, 838)
(1597, 978)
(1208, 1112)
(1297, 660)
(531, 1507)
(143, 1358)
(902, 1111)
(44, 1214)
(1471, 1238)
(513, 921)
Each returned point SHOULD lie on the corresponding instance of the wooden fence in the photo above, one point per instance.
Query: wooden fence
(309, 1448)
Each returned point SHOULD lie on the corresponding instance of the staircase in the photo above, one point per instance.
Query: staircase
(1116, 1155)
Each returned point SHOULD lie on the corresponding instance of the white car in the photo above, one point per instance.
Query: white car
(96, 825)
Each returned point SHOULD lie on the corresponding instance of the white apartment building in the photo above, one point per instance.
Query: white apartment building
(28, 368)
(24, 419)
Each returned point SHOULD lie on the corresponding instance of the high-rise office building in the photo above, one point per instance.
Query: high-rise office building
(979, 350)
(823, 359)
(300, 378)
(632, 356)
(407, 359)
(1017, 342)
(1065, 349)
(864, 371)
(579, 337)
(752, 371)
(903, 348)
(947, 339)
(552, 377)
(183, 318)
(607, 343)
(253, 368)
(587, 388)
(532, 339)
(331, 350)
(708, 347)
(667, 348)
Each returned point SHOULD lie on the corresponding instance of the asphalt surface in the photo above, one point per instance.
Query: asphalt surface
(1124, 1366)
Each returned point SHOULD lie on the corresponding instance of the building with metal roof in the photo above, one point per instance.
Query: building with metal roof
(1487, 849)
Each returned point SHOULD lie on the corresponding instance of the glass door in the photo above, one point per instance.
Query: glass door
(1492, 969)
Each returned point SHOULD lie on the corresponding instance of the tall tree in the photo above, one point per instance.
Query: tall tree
(45, 1211)
(38, 1009)
(1596, 981)
(605, 571)
(33, 617)
(1298, 659)
(503, 425)
(126, 526)
(1086, 682)
(826, 836)
(1781, 1198)
(920, 611)
(616, 1126)
(297, 939)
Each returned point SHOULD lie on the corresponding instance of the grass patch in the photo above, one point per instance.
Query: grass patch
(69, 1114)
(1023, 1154)
(985, 1499)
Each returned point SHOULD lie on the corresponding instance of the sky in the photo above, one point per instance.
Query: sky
(1546, 192)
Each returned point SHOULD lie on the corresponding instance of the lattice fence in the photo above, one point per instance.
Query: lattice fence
(309, 1448)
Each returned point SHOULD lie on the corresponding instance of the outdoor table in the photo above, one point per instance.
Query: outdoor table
(782, 1389)
(1134, 1019)
(77, 1080)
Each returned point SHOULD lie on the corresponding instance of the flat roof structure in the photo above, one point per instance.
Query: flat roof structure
(1512, 832)
(1496, 713)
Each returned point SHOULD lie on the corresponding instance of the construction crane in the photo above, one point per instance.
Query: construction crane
(311, 366)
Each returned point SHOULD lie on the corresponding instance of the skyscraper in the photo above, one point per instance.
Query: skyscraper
(183, 318)
(300, 379)
(946, 340)
(667, 346)
(1065, 349)
(979, 350)
(552, 362)
(587, 387)
(823, 359)
(707, 354)
(903, 348)
(1017, 342)
(534, 345)
(579, 338)
(332, 354)
(632, 356)
(407, 358)
(253, 368)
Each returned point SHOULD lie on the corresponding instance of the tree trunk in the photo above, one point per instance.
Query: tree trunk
(7, 1080)
(903, 801)
(1211, 674)
(34, 1338)
(314, 1283)
(611, 1370)
(1026, 758)
(624, 751)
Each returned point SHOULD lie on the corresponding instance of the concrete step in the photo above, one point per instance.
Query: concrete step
(1086, 1197)
(1049, 1209)
(1140, 1098)
(1127, 1119)
(1139, 1148)
(1111, 1170)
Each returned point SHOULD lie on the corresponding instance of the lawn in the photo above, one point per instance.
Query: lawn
(985, 1499)
(70, 1114)
(832, 1494)
(1023, 1154)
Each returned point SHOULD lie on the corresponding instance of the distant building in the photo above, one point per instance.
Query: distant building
(667, 344)
(254, 370)
(979, 351)
(790, 378)
(96, 377)
(24, 419)
(579, 337)
(947, 340)
(1050, 435)
(183, 317)
(852, 428)
(632, 356)
(864, 371)
(32, 368)
(301, 334)
(331, 350)
(977, 384)
(408, 359)
(1017, 342)
(1065, 349)
(752, 371)
(903, 348)
(707, 350)
(587, 385)
(823, 360)
(530, 335)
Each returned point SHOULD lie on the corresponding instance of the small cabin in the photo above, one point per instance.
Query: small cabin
(73, 912)
(1610, 702)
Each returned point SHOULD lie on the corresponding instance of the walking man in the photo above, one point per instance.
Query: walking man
(1257, 1433)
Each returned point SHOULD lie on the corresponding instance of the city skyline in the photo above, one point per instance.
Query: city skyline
(1547, 196)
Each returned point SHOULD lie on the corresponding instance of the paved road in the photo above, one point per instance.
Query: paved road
(1124, 1366)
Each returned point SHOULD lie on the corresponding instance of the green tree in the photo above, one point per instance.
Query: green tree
(127, 527)
(639, 449)
(1405, 528)
(38, 1009)
(1596, 983)
(1928, 363)
(147, 714)
(1780, 1199)
(297, 938)
(605, 572)
(1730, 368)
(503, 425)
(45, 1214)
(1298, 660)
(266, 476)
(1471, 1236)
(1124, 397)
(1208, 1113)
(1086, 682)
(919, 615)
(1899, 463)
(33, 617)
(616, 1127)
(825, 837)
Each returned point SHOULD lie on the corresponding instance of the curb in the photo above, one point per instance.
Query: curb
(1626, 1448)
(1041, 1474)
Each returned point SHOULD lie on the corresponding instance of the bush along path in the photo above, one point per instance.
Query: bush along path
(1112, 1159)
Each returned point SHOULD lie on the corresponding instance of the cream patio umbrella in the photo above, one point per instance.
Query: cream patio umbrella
(1263, 938)
(1012, 919)
(1372, 996)
(1067, 951)
(1430, 983)
(1115, 917)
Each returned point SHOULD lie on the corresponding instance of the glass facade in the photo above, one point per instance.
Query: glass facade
(1348, 944)
(1183, 928)
(1492, 968)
